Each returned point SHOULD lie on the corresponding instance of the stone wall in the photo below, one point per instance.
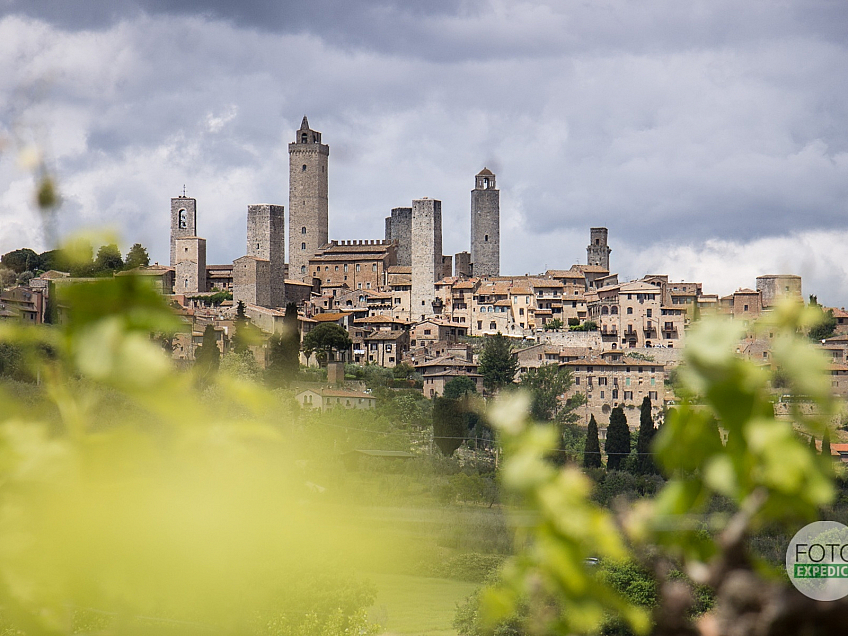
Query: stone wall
(252, 281)
(190, 268)
(485, 226)
(426, 255)
(266, 239)
(183, 222)
(399, 228)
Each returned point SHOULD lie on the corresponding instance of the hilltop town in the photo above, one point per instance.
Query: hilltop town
(401, 300)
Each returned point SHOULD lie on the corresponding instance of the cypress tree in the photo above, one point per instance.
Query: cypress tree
(592, 449)
(826, 443)
(617, 446)
(644, 459)
(813, 444)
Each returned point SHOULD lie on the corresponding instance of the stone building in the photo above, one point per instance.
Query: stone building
(485, 225)
(190, 266)
(252, 281)
(597, 252)
(775, 287)
(628, 314)
(183, 222)
(357, 264)
(462, 265)
(426, 255)
(308, 211)
(399, 228)
(266, 239)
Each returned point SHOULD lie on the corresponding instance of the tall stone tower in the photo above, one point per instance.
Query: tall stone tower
(190, 265)
(399, 228)
(597, 252)
(183, 222)
(308, 216)
(426, 255)
(485, 225)
(266, 239)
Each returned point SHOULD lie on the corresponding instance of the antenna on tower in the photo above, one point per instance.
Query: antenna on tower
(183, 191)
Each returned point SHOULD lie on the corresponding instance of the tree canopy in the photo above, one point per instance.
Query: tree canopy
(497, 364)
(546, 384)
(592, 449)
(459, 387)
(284, 349)
(137, 257)
(644, 459)
(325, 339)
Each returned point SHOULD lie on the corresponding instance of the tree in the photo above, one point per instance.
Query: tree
(617, 446)
(592, 450)
(21, 260)
(825, 326)
(813, 444)
(449, 425)
(243, 336)
(137, 257)
(7, 278)
(459, 387)
(647, 430)
(108, 259)
(553, 325)
(207, 356)
(497, 364)
(325, 339)
(546, 384)
(825, 450)
(284, 350)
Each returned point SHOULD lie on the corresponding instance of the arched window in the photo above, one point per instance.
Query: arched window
(604, 310)
(303, 138)
(183, 219)
(303, 168)
(303, 246)
(629, 310)
(614, 310)
(303, 269)
(303, 230)
(492, 325)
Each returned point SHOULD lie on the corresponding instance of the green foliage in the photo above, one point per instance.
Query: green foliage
(647, 430)
(460, 386)
(325, 339)
(207, 356)
(825, 449)
(553, 325)
(284, 350)
(137, 256)
(497, 364)
(617, 445)
(7, 278)
(108, 259)
(21, 260)
(215, 299)
(449, 424)
(573, 322)
(403, 371)
(241, 365)
(592, 450)
(546, 384)
(588, 325)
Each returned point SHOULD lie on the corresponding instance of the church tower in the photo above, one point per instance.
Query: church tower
(183, 221)
(597, 252)
(485, 225)
(308, 216)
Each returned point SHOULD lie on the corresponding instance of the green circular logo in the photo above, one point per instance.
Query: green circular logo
(817, 560)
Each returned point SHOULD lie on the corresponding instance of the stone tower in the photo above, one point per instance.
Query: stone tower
(183, 222)
(266, 239)
(485, 225)
(399, 228)
(190, 265)
(597, 252)
(308, 216)
(426, 255)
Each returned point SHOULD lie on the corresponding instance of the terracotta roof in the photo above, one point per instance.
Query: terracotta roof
(595, 269)
(329, 316)
(485, 172)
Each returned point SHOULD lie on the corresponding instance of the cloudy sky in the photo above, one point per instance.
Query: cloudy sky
(709, 136)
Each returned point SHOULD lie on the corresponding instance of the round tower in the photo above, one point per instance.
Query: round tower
(308, 214)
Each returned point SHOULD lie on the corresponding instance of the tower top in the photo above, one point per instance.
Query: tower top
(304, 125)
(485, 172)
(305, 135)
(485, 180)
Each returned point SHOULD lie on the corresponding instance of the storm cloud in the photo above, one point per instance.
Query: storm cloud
(688, 129)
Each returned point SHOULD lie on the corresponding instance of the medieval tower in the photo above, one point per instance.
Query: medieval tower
(597, 252)
(308, 215)
(426, 255)
(399, 228)
(485, 225)
(266, 239)
(183, 222)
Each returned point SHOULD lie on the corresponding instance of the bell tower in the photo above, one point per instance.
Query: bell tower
(183, 221)
(308, 213)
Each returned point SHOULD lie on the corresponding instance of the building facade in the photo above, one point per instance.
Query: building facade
(183, 222)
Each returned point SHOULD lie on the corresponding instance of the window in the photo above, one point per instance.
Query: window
(602, 395)
(303, 269)
(521, 311)
(303, 230)
(745, 308)
(648, 313)
(337, 268)
(630, 310)
(576, 381)
(367, 285)
(628, 395)
(492, 325)
(602, 381)
(486, 238)
(303, 246)
(388, 346)
(357, 267)
(615, 394)
(374, 267)
(427, 332)
(183, 219)
(345, 268)
(479, 324)
(652, 395)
